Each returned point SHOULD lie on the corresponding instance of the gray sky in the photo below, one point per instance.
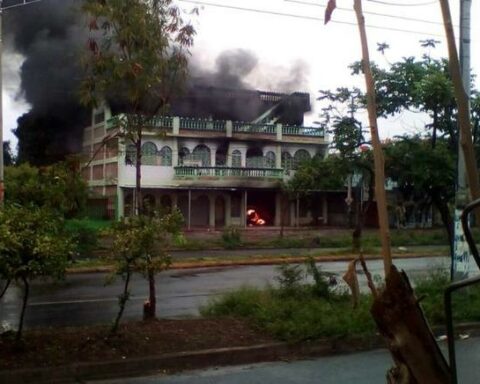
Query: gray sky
(286, 34)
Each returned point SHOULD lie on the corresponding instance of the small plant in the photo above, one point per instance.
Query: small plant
(231, 238)
(290, 279)
(84, 237)
(321, 284)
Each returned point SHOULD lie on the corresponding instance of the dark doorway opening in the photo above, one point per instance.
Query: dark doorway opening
(260, 208)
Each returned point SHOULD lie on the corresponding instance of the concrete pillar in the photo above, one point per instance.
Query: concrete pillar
(291, 207)
(189, 219)
(325, 209)
(278, 156)
(229, 128)
(297, 212)
(174, 197)
(175, 152)
(211, 216)
(176, 125)
(228, 210)
(245, 204)
(120, 209)
(278, 209)
(278, 128)
(213, 152)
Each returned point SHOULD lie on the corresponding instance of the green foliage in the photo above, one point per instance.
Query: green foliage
(289, 278)
(320, 283)
(300, 316)
(58, 187)
(231, 238)
(84, 235)
(33, 245)
(139, 245)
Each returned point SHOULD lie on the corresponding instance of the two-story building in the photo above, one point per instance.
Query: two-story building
(217, 170)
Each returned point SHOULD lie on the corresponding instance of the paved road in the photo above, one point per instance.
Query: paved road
(84, 298)
(360, 368)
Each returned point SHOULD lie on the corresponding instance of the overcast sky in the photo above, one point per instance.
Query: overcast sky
(289, 37)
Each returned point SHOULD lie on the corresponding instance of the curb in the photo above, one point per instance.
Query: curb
(253, 262)
(172, 362)
(184, 360)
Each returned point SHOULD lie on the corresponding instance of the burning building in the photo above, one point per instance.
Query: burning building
(221, 160)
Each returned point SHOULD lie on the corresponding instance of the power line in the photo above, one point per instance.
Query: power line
(369, 12)
(275, 13)
(404, 4)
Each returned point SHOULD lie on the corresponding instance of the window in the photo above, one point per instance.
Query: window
(99, 117)
(270, 159)
(300, 156)
(236, 159)
(130, 155)
(201, 153)
(149, 153)
(166, 156)
(182, 155)
(236, 205)
(287, 161)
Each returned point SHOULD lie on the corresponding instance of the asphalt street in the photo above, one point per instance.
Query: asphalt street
(85, 299)
(359, 368)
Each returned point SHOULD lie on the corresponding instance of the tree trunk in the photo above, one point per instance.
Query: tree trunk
(122, 302)
(434, 130)
(138, 172)
(4, 290)
(150, 307)
(377, 147)
(401, 322)
(26, 293)
(447, 220)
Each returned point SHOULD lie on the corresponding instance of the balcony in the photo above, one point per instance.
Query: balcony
(178, 125)
(189, 172)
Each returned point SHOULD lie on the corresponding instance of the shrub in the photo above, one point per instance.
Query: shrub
(231, 238)
(84, 236)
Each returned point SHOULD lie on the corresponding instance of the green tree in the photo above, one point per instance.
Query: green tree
(32, 245)
(420, 170)
(57, 187)
(8, 157)
(139, 244)
(137, 57)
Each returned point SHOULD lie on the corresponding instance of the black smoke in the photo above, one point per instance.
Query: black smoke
(52, 35)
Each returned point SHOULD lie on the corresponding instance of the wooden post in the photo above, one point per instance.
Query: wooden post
(377, 148)
(464, 123)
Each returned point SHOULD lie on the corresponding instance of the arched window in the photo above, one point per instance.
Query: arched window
(149, 153)
(270, 159)
(130, 155)
(300, 156)
(287, 161)
(236, 158)
(182, 155)
(221, 157)
(201, 153)
(254, 158)
(165, 156)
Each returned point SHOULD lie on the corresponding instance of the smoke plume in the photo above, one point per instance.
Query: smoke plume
(51, 35)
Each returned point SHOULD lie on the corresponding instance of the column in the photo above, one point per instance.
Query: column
(278, 209)
(175, 152)
(213, 152)
(189, 219)
(176, 126)
(325, 209)
(297, 211)
(120, 211)
(228, 209)
(174, 197)
(245, 203)
(278, 156)
(279, 131)
(229, 128)
(211, 216)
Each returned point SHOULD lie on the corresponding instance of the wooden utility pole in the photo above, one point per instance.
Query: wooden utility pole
(464, 123)
(380, 193)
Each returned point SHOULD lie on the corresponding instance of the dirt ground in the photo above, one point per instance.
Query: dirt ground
(59, 346)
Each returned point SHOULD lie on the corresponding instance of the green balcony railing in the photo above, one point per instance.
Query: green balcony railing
(154, 122)
(202, 124)
(241, 127)
(194, 172)
(302, 131)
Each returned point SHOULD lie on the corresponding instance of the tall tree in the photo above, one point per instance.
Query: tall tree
(137, 58)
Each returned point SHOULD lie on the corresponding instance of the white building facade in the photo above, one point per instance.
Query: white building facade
(214, 171)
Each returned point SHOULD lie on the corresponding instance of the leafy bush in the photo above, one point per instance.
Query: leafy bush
(84, 236)
(231, 238)
(289, 278)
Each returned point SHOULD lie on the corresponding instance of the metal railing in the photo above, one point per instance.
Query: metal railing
(242, 127)
(302, 131)
(190, 171)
